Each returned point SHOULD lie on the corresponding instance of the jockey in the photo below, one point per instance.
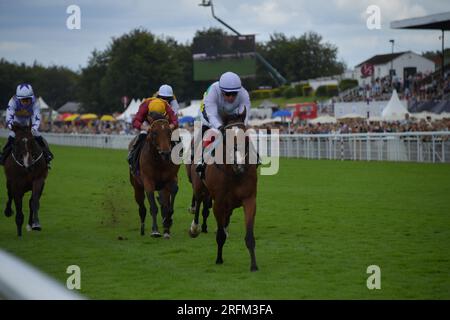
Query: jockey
(224, 97)
(165, 92)
(23, 108)
(140, 122)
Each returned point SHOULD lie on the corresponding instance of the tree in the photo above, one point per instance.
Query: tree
(56, 85)
(133, 65)
(301, 58)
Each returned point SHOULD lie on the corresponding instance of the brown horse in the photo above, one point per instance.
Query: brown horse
(200, 195)
(156, 173)
(25, 170)
(232, 186)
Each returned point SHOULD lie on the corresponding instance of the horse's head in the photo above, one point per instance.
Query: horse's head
(236, 123)
(159, 134)
(24, 145)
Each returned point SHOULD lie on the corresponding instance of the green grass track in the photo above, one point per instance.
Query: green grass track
(319, 225)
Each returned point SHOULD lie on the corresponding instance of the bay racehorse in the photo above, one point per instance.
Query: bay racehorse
(156, 172)
(25, 170)
(232, 186)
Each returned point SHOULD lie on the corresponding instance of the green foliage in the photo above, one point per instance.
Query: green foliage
(277, 92)
(134, 65)
(137, 63)
(289, 93)
(300, 58)
(56, 85)
(299, 90)
(261, 94)
(346, 84)
(329, 90)
(308, 91)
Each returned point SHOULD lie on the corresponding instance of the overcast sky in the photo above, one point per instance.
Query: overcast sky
(36, 30)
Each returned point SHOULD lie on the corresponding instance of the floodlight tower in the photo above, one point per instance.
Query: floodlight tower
(272, 71)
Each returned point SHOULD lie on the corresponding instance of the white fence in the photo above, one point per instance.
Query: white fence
(21, 281)
(409, 146)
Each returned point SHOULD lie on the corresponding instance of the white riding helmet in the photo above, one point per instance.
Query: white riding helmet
(165, 91)
(24, 90)
(230, 82)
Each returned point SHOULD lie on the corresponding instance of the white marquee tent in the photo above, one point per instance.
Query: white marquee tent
(192, 111)
(394, 110)
(129, 113)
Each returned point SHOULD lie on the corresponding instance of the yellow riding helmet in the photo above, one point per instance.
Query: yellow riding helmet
(157, 105)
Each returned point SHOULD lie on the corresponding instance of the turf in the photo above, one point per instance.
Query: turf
(319, 225)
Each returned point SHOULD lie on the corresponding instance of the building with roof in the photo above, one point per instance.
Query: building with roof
(440, 21)
(404, 63)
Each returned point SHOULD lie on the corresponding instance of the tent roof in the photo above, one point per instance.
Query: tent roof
(72, 107)
(43, 105)
(267, 104)
(323, 119)
(193, 110)
(440, 21)
(131, 110)
(394, 110)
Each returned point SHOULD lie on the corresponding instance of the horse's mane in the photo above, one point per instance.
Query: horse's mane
(156, 116)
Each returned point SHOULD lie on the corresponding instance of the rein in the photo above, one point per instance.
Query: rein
(32, 163)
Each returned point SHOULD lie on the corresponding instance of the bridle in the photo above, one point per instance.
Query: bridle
(237, 168)
(21, 164)
(164, 121)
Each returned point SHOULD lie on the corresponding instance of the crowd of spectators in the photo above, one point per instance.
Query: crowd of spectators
(361, 126)
(415, 88)
(342, 126)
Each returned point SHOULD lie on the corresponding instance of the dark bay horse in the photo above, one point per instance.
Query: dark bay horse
(25, 170)
(200, 196)
(156, 172)
(232, 186)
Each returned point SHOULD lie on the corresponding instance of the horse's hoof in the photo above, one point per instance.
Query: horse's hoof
(36, 227)
(219, 261)
(193, 234)
(166, 235)
(8, 213)
(156, 234)
(204, 229)
(253, 268)
(28, 227)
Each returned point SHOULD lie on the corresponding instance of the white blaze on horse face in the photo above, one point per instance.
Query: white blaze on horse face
(26, 156)
(233, 153)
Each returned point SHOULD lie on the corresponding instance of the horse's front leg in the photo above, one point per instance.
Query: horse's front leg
(221, 213)
(33, 221)
(249, 205)
(173, 193)
(19, 213)
(165, 208)
(194, 230)
(154, 211)
(8, 210)
(207, 204)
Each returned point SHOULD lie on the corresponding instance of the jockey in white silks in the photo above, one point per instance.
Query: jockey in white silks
(23, 109)
(223, 97)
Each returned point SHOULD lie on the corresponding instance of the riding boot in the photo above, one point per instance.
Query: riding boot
(133, 157)
(6, 150)
(45, 149)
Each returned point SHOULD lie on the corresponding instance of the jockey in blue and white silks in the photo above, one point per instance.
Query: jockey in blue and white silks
(23, 109)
